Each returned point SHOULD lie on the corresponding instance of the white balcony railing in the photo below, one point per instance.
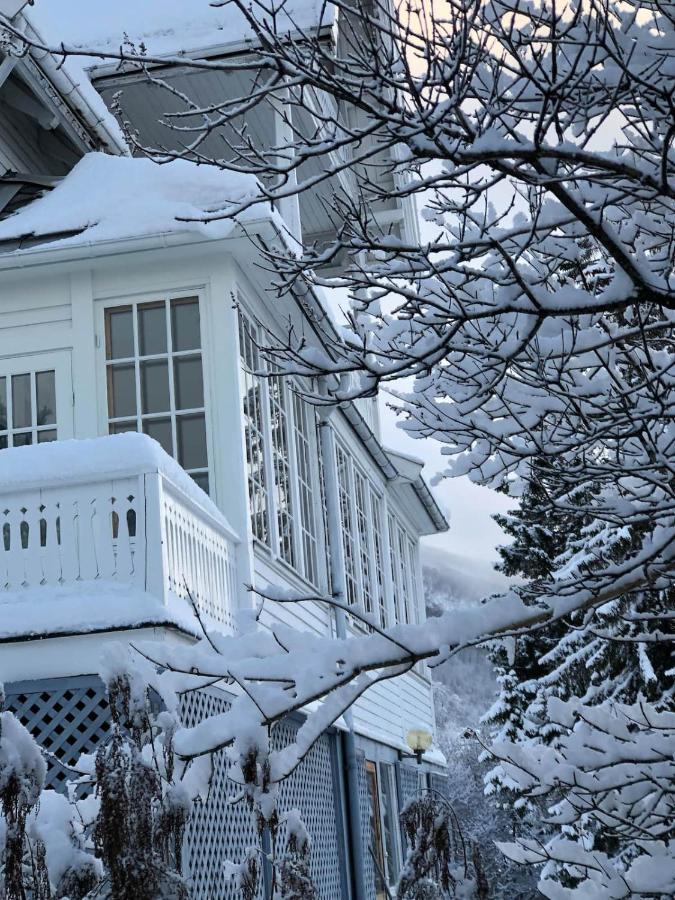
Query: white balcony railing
(117, 511)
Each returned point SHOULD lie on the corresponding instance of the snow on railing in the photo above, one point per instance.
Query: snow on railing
(114, 509)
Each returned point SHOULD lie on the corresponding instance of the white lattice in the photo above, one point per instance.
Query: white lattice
(66, 716)
(312, 790)
(218, 830)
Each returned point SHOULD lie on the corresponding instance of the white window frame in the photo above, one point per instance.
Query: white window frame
(367, 585)
(58, 361)
(135, 300)
(404, 571)
(290, 395)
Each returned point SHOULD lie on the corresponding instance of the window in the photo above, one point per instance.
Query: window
(348, 535)
(361, 519)
(155, 378)
(281, 457)
(303, 419)
(385, 836)
(254, 428)
(27, 408)
(403, 553)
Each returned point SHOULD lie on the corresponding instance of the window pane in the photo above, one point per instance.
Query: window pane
(160, 430)
(152, 329)
(3, 442)
(3, 404)
(121, 391)
(155, 387)
(202, 480)
(21, 401)
(188, 384)
(119, 333)
(45, 437)
(191, 432)
(24, 439)
(122, 427)
(185, 325)
(46, 398)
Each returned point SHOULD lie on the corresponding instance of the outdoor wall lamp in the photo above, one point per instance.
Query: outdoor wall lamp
(419, 742)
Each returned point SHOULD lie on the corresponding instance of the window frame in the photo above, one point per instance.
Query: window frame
(287, 397)
(103, 307)
(59, 362)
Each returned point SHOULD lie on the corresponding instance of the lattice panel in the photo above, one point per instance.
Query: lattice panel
(409, 784)
(311, 789)
(218, 830)
(67, 717)
(440, 784)
(366, 827)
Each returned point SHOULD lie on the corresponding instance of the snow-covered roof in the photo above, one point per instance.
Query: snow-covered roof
(112, 198)
(164, 26)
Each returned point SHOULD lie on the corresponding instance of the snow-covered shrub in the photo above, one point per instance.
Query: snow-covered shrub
(295, 880)
(22, 778)
(142, 814)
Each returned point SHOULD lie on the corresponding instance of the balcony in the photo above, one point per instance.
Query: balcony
(107, 534)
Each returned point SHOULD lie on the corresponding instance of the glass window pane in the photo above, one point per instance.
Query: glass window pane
(121, 391)
(3, 404)
(155, 386)
(202, 480)
(119, 333)
(21, 401)
(191, 442)
(24, 439)
(185, 333)
(160, 430)
(3, 442)
(45, 437)
(152, 328)
(122, 427)
(45, 384)
(187, 379)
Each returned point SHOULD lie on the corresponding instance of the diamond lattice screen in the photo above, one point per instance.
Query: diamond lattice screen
(218, 830)
(66, 716)
(312, 790)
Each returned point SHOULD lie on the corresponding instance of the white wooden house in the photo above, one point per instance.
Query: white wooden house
(115, 318)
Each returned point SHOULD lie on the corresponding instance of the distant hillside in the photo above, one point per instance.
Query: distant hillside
(454, 580)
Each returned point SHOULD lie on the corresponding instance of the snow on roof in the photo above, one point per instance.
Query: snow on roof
(106, 198)
(164, 26)
(74, 86)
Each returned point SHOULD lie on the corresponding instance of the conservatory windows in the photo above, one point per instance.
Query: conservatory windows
(281, 459)
(361, 519)
(27, 408)
(155, 378)
(405, 584)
